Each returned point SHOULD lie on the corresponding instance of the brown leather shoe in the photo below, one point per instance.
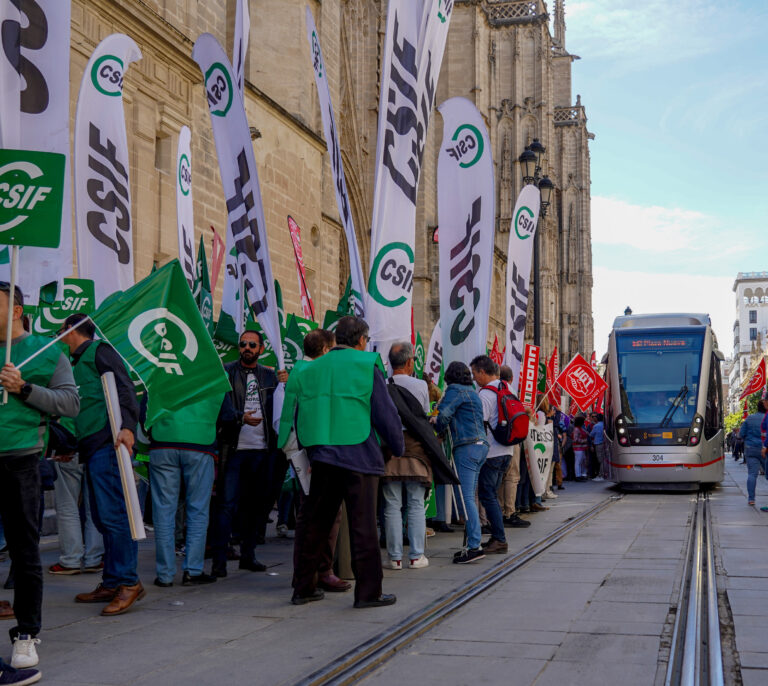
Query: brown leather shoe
(124, 598)
(538, 508)
(6, 611)
(332, 583)
(101, 594)
(494, 546)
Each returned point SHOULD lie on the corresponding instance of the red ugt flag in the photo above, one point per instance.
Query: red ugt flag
(745, 414)
(579, 380)
(756, 382)
(496, 355)
(554, 396)
(307, 306)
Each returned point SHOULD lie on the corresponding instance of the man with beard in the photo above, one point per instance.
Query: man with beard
(251, 465)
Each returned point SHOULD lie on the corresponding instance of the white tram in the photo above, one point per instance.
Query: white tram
(664, 406)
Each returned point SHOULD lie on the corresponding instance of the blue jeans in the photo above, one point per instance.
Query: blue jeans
(491, 475)
(393, 518)
(111, 519)
(167, 467)
(469, 459)
(755, 462)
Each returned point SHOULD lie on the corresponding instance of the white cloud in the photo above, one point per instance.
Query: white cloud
(639, 34)
(653, 228)
(647, 292)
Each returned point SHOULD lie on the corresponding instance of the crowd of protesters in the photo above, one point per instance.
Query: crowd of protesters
(217, 468)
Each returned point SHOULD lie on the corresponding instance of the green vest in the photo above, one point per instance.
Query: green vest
(93, 407)
(195, 424)
(19, 422)
(333, 394)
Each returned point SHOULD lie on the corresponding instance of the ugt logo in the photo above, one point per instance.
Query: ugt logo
(469, 146)
(31, 195)
(525, 223)
(107, 75)
(218, 89)
(161, 337)
(582, 381)
(185, 175)
(391, 278)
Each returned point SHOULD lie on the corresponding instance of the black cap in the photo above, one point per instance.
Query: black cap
(18, 296)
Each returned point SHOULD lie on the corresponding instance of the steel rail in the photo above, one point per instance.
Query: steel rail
(697, 624)
(368, 655)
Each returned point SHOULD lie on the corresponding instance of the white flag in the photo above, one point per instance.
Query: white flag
(539, 448)
(34, 115)
(240, 47)
(413, 52)
(102, 188)
(465, 201)
(519, 254)
(246, 227)
(434, 359)
(337, 168)
(184, 212)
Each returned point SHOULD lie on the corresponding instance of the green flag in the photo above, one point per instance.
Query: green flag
(78, 296)
(418, 360)
(541, 386)
(157, 329)
(202, 288)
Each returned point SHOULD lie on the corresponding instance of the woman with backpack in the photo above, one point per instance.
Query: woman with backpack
(462, 411)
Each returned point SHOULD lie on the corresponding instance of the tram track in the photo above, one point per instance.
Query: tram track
(364, 658)
(696, 655)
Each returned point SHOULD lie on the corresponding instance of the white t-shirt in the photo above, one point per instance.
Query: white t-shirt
(491, 416)
(417, 387)
(252, 437)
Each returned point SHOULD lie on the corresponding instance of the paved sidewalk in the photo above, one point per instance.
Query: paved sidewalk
(742, 533)
(243, 629)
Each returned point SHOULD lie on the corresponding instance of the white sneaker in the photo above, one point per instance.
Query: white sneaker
(24, 653)
(549, 495)
(395, 564)
(598, 478)
(419, 562)
(282, 530)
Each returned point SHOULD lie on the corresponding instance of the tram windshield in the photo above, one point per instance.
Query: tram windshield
(659, 377)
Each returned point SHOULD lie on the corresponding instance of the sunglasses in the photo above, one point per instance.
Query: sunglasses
(249, 344)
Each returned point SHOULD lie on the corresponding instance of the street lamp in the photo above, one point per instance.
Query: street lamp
(530, 168)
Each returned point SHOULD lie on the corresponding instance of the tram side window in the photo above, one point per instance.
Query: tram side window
(713, 414)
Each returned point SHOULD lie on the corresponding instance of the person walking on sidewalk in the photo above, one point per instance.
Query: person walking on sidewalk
(120, 587)
(597, 434)
(341, 408)
(486, 374)
(750, 433)
(462, 410)
(44, 387)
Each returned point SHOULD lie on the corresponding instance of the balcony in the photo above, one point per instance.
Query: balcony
(508, 12)
(570, 116)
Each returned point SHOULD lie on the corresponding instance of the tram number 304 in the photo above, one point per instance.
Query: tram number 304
(657, 458)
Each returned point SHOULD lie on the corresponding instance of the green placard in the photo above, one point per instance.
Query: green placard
(31, 197)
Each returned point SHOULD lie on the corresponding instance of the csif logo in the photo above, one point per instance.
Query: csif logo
(391, 278)
(185, 175)
(206, 307)
(218, 89)
(107, 75)
(468, 148)
(525, 223)
(31, 196)
(161, 337)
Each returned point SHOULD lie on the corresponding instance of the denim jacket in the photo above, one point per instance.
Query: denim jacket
(750, 432)
(462, 410)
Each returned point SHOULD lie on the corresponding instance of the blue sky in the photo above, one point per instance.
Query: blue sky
(677, 95)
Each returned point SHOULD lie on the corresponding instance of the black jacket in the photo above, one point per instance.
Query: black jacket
(267, 380)
(417, 423)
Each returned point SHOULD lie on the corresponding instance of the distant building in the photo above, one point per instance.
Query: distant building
(750, 329)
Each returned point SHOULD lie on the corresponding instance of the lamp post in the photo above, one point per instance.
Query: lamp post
(530, 167)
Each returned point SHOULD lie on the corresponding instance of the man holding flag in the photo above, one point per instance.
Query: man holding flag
(44, 387)
(120, 587)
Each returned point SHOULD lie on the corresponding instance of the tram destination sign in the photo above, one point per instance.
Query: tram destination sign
(679, 343)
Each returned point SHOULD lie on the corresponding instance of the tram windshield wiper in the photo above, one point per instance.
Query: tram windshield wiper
(677, 402)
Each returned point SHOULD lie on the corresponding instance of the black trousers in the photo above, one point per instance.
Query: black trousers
(20, 511)
(330, 487)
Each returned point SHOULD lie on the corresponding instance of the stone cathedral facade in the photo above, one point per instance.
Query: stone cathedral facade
(509, 57)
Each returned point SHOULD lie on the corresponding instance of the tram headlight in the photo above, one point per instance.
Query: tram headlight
(697, 425)
(622, 432)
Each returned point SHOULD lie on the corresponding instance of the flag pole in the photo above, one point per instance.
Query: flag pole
(11, 295)
(51, 342)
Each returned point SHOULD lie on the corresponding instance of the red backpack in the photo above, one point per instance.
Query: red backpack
(513, 419)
